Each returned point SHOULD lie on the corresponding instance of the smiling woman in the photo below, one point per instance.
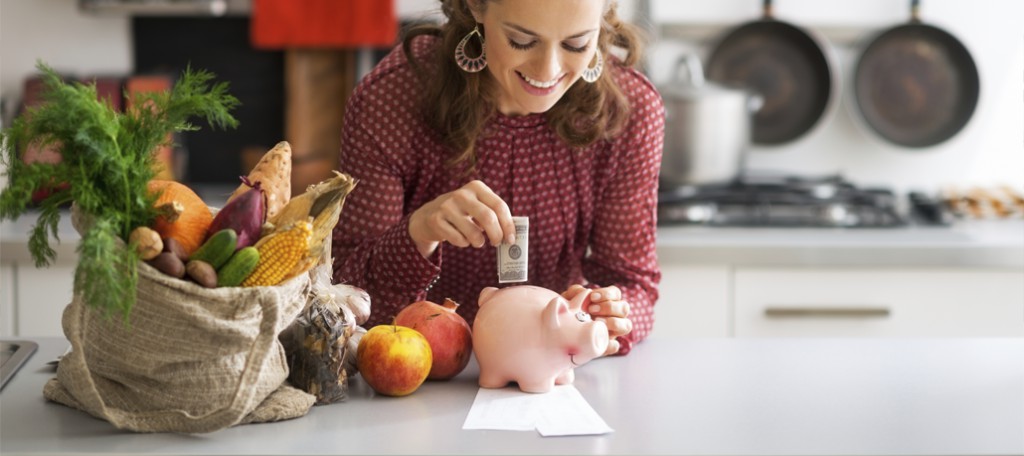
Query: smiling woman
(535, 52)
(510, 108)
(535, 68)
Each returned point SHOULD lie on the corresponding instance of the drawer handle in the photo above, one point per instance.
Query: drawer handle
(827, 312)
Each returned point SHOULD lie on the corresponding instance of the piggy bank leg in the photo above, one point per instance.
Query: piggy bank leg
(536, 386)
(489, 379)
(566, 377)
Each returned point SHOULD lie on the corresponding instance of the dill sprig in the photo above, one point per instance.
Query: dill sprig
(107, 158)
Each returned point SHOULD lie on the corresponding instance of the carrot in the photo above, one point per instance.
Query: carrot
(274, 173)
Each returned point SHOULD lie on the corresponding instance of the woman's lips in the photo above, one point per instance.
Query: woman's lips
(539, 91)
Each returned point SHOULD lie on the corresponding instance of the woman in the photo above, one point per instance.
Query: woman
(510, 108)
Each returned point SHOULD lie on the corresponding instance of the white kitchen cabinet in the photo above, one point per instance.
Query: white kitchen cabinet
(879, 302)
(32, 299)
(7, 300)
(693, 302)
(43, 294)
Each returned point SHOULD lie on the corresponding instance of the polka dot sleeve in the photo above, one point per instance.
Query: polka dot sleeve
(372, 233)
(623, 240)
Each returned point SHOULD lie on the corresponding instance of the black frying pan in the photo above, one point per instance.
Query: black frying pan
(916, 85)
(785, 65)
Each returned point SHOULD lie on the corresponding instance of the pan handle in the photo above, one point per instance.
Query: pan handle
(767, 10)
(915, 11)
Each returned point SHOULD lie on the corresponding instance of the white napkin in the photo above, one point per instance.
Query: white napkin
(561, 411)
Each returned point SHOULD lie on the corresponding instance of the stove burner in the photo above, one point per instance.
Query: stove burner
(830, 201)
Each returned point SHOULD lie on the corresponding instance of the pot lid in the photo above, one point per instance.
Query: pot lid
(688, 82)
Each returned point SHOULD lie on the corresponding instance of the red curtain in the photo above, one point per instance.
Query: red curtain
(278, 24)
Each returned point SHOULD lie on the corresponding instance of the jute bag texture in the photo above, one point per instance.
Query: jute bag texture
(189, 359)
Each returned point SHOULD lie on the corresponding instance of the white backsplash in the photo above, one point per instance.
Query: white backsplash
(989, 150)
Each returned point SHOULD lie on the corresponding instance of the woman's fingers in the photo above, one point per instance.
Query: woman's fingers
(479, 213)
(616, 326)
(496, 220)
(468, 230)
(609, 308)
(472, 215)
(612, 293)
(613, 347)
(572, 292)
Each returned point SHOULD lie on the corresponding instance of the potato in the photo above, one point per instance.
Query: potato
(168, 263)
(173, 246)
(202, 272)
(147, 242)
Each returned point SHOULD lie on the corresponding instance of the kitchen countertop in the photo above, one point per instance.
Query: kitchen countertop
(974, 243)
(713, 396)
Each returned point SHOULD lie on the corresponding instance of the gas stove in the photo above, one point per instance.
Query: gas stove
(780, 201)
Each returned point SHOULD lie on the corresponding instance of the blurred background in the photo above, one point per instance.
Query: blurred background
(788, 129)
(116, 40)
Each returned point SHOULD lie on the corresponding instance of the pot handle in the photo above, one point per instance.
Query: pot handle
(755, 102)
(689, 71)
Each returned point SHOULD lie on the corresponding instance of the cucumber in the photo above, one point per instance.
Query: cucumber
(238, 268)
(218, 248)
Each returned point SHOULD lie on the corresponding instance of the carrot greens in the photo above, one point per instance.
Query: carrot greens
(107, 159)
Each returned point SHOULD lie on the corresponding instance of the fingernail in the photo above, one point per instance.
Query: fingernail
(595, 308)
(510, 239)
(595, 296)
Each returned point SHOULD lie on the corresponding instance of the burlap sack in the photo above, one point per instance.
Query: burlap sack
(190, 359)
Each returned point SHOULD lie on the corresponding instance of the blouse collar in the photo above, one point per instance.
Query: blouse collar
(527, 121)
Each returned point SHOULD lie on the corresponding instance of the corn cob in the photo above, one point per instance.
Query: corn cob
(314, 200)
(279, 253)
(326, 210)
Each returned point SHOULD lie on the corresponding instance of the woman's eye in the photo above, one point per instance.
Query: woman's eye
(572, 48)
(521, 46)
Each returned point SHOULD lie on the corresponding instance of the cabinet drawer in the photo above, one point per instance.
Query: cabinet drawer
(693, 302)
(879, 302)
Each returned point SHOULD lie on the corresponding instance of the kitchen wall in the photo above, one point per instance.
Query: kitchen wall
(989, 150)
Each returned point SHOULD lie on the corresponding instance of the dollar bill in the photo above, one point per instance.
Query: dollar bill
(512, 258)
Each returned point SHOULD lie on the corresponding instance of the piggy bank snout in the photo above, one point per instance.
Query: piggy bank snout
(595, 339)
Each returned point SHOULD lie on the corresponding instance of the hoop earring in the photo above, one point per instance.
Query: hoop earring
(591, 74)
(474, 64)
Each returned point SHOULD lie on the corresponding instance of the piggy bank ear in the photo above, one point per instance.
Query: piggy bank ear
(580, 301)
(485, 295)
(554, 309)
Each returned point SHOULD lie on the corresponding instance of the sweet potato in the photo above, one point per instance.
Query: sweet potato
(274, 174)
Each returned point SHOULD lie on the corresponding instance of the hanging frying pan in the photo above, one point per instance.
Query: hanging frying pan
(915, 84)
(784, 64)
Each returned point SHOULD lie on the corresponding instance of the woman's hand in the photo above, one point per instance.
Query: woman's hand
(470, 216)
(606, 305)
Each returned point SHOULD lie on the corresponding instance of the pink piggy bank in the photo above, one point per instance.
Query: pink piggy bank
(534, 337)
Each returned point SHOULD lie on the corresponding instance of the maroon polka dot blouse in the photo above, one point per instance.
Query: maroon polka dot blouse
(592, 212)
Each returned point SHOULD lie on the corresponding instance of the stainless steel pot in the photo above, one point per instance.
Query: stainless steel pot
(707, 127)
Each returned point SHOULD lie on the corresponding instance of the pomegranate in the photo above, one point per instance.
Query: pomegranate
(450, 338)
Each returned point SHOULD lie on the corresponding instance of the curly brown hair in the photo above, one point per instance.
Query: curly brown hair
(458, 104)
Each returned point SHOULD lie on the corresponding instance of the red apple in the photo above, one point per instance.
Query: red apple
(394, 360)
(451, 340)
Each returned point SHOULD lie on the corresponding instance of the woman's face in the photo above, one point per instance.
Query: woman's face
(537, 49)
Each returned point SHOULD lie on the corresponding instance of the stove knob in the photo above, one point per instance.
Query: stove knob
(700, 213)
